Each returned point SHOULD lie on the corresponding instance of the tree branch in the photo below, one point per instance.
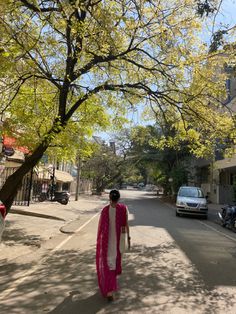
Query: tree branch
(38, 9)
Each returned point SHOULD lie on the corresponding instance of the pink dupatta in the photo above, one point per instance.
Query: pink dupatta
(104, 274)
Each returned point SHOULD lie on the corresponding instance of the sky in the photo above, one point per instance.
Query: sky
(228, 12)
(225, 17)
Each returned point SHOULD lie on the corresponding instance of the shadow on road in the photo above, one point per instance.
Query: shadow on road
(152, 282)
(210, 252)
(73, 304)
(153, 279)
(14, 235)
(10, 271)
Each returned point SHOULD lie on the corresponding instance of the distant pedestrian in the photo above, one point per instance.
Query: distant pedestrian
(112, 225)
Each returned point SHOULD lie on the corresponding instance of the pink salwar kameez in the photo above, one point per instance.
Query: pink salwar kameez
(108, 258)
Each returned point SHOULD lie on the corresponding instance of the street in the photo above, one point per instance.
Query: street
(175, 265)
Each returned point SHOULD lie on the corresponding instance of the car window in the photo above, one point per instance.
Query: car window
(188, 192)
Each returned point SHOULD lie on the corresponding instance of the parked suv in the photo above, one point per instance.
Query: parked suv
(191, 201)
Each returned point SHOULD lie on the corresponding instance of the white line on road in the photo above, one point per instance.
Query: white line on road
(71, 236)
(26, 274)
(220, 232)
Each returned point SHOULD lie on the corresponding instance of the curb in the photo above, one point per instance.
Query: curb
(62, 230)
(28, 213)
(70, 227)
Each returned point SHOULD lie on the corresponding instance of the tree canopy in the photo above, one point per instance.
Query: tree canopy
(66, 60)
(152, 164)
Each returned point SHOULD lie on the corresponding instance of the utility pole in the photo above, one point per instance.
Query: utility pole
(78, 178)
(51, 170)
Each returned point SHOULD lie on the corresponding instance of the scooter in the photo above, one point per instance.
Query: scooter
(228, 217)
(60, 197)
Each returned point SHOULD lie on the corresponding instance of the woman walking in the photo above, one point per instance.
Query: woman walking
(113, 222)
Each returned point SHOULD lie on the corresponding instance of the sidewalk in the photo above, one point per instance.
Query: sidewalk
(27, 228)
(56, 211)
(215, 207)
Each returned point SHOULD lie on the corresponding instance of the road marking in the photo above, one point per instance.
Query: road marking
(71, 236)
(217, 231)
(26, 274)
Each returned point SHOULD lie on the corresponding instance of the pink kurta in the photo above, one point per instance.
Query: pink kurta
(106, 270)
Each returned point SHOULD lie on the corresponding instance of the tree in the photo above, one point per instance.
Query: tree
(105, 54)
(155, 164)
(103, 167)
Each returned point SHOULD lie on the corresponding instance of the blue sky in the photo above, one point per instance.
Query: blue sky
(225, 17)
(227, 12)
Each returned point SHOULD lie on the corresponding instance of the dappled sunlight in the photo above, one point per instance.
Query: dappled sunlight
(205, 248)
(159, 279)
(10, 271)
(155, 278)
(15, 235)
(172, 267)
(59, 275)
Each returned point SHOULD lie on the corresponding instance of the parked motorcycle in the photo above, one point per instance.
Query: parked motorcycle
(60, 197)
(228, 217)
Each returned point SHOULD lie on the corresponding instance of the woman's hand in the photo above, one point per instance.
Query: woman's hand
(129, 242)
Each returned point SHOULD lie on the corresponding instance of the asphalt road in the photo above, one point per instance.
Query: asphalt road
(176, 265)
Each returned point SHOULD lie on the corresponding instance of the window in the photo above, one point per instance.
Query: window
(190, 192)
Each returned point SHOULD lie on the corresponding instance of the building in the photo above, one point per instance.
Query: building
(12, 157)
(217, 177)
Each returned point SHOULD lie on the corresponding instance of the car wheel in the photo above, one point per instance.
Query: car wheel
(177, 214)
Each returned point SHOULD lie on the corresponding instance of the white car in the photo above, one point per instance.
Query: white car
(191, 201)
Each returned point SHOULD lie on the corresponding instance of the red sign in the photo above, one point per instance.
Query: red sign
(11, 142)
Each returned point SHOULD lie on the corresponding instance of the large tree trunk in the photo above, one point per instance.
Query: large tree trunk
(13, 182)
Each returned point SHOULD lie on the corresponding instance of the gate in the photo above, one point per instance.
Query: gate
(24, 192)
(226, 194)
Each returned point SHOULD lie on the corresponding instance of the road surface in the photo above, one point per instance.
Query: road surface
(176, 265)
